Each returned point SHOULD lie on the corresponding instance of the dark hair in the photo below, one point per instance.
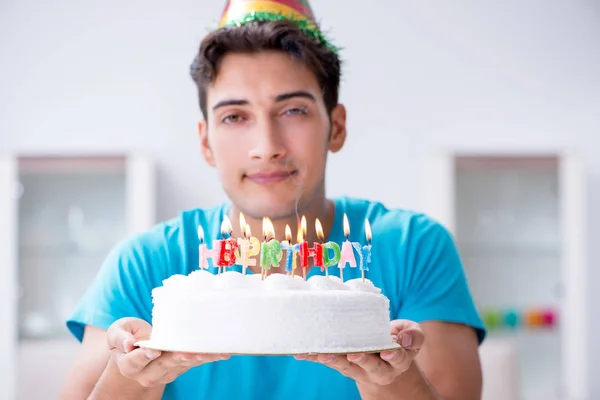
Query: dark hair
(254, 37)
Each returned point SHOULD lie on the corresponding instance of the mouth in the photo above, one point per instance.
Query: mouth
(267, 177)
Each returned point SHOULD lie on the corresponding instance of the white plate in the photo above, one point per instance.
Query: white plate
(148, 344)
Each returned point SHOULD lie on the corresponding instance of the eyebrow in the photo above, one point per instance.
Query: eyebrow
(278, 98)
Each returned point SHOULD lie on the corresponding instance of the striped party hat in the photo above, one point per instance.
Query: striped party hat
(241, 12)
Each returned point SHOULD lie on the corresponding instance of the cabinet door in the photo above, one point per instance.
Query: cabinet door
(575, 300)
(72, 211)
(519, 224)
(8, 276)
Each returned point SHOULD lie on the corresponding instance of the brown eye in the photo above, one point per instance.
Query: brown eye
(296, 111)
(232, 119)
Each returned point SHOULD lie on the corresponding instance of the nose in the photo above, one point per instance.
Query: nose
(268, 143)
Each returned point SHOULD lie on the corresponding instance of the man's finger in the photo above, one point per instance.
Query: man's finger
(306, 357)
(341, 364)
(411, 339)
(132, 363)
(372, 364)
(123, 333)
(397, 359)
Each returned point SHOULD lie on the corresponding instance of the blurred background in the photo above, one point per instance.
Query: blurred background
(484, 114)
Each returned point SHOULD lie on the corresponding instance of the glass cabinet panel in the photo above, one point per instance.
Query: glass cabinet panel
(71, 212)
(507, 228)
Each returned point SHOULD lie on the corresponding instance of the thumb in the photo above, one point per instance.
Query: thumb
(123, 333)
(408, 334)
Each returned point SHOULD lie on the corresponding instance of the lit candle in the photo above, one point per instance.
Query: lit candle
(248, 246)
(316, 252)
(254, 249)
(331, 260)
(364, 252)
(296, 249)
(228, 246)
(347, 252)
(271, 253)
(204, 253)
(289, 249)
(303, 247)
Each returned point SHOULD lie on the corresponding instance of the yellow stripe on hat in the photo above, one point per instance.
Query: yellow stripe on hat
(239, 10)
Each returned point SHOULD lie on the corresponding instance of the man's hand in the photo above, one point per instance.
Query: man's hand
(148, 367)
(381, 369)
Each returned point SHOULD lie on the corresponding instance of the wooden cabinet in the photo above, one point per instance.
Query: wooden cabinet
(60, 217)
(520, 224)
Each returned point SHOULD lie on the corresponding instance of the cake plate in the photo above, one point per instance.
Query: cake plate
(148, 344)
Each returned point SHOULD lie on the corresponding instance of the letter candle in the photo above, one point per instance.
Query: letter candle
(296, 249)
(364, 252)
(330, 261)
(317, 250)
(248, 246)
(347, 253)
(289, 250)
(228, 246)
(271, 253)
(303, 247)
(204, 253)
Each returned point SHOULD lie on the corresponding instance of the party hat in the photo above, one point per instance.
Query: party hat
(241, 12)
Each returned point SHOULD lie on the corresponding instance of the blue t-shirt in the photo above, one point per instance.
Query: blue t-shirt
(414, 261)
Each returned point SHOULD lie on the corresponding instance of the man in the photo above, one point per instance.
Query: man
(268, 89)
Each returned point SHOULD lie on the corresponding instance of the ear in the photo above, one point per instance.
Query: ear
(204, 144)
(338, 128)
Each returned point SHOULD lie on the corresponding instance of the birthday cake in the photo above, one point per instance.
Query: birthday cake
(272, 313)
(235, 313)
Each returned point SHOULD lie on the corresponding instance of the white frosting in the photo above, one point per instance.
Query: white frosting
(284, 282)
(365, 286)
(318, 282)
(236, 313)
(232, 280)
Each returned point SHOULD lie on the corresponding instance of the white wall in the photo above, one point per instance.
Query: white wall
(99, 76)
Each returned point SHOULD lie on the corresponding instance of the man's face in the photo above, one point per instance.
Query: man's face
(268, 133)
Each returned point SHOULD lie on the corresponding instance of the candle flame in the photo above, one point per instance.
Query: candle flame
(247, 231)
(368, 231)
(303, 225)
(319, 230)
(226, 226)
(243, 224)
(299, 236)
(200, 233)
(288, 234)
(346, 226)
(268, 229)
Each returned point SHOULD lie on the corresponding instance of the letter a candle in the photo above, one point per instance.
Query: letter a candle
(347, 253)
